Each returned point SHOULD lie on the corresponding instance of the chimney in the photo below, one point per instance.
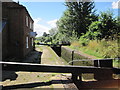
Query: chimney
(18, 1)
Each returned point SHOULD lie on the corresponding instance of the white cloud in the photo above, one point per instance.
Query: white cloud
(37, 20)
(116, 5)
(52, 23)
(40, 28)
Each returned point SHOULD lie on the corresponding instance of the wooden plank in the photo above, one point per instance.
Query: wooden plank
(14, 66)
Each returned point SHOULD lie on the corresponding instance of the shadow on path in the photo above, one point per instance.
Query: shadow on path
(32, 57)
(94, 85)
(9, 75)
(114, 84)
(38, 84)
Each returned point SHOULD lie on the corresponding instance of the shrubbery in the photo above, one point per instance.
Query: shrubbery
(100, 48)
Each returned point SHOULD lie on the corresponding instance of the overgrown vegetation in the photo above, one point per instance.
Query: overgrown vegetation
(98, 48)
(98, 35)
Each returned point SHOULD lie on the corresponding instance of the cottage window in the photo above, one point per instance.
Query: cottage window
(32, 41)
(27, 39)
(30, 25)
(26, 20)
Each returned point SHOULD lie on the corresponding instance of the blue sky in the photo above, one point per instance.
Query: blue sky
(45, 10)
(45, 14)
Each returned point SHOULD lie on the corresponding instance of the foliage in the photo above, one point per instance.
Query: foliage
(45, 34)
(105, 28)
(81, 13)
(110, 49)
(65, 25)
(53, 31)
(99, 48)
(94, 34)
(108, 26)
(84, 40)
(76, 18)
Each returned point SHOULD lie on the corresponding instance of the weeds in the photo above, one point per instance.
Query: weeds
(100, 49)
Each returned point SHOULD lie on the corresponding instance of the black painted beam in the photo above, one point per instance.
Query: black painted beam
(14, 66)
(57, 45)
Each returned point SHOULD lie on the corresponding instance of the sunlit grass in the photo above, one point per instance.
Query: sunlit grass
(99, 49)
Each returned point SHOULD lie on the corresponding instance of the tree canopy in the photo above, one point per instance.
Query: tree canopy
(80, 21)
(77, 18)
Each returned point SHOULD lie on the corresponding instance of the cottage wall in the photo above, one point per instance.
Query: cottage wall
(27, 31)
(16, 31)
(5, 34)
(4, 42)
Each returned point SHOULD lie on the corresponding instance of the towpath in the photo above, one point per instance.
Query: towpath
(32, 80)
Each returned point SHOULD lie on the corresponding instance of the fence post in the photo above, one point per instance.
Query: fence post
(72, 56)
(103, 75)
(75, 77)
(104, 63)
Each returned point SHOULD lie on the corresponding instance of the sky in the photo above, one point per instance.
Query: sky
(46, 14)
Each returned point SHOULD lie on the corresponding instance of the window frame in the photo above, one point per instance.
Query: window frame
(27, 42)
(32, 41)
(27, 20)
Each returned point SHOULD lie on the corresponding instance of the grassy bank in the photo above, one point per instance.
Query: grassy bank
(99, 49)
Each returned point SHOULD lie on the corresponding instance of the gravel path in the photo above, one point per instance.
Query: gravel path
(50, 57)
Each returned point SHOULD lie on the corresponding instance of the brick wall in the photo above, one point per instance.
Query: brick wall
(16, 31)
(27, 30)
(4, 34)
(4, 42)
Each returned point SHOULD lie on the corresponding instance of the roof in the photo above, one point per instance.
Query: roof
(15, 5)
(11, 4)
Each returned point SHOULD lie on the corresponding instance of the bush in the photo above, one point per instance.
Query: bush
(110, 49)
(84, 40)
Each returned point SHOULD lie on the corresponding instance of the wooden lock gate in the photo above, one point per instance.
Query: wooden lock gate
(100, 73)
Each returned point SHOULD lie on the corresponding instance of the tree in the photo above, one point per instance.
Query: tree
(108, 25)
(65, 24)
(77, 18)
(117, 34)
(53, 31)
(94, 32)
(45, 34)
